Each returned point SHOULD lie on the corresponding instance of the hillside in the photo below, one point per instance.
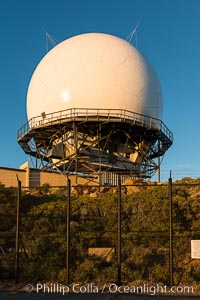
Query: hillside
(145, 234)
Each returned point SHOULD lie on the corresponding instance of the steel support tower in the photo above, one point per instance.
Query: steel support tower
(95, 142)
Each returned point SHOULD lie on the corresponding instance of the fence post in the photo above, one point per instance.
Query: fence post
(171, 259)
(17, 232)
(68, 229)
(119, 204)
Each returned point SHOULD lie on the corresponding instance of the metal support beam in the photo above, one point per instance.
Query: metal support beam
(99, 151)
(171, 259)
(76, 151)
(158, 162)
(119, 233)
(17, 232)
(68, 231)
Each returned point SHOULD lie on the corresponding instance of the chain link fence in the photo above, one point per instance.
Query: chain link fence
(101, 234)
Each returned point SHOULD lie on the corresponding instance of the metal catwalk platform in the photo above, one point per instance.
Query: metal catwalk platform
(92, 141)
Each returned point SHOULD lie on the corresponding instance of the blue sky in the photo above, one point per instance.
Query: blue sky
(168, 35)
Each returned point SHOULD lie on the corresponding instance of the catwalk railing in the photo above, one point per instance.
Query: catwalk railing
(89, 114)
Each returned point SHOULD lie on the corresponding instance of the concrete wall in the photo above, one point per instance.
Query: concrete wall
(38, 178)
(8, 176)
(35, 178)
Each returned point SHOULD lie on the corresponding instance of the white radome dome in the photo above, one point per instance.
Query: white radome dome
(94, 70)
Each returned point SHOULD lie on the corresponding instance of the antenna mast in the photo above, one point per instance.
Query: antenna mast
(52, 40)
(133, 32)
